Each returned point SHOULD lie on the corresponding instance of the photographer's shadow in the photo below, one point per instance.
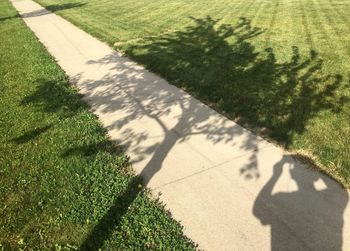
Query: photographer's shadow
(306, 219)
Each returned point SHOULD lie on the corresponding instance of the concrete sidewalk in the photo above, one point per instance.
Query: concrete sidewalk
(230, 189)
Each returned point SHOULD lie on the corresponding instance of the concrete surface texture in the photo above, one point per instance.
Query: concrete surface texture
(230, 189)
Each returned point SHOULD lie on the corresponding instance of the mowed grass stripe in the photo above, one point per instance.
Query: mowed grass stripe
(240, 7)
(323, 27)
(305, 23)
(338, 24)
(341, 12)
(275, 6)
(330, 26)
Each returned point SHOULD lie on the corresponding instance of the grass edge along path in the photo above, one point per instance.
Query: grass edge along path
(64, 185)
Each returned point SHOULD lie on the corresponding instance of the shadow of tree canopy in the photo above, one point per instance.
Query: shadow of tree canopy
(218, 64)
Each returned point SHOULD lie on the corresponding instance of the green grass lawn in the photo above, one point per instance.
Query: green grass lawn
(279, 67)
(64, 186)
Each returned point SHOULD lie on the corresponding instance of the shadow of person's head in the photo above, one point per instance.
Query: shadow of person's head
(303, 180)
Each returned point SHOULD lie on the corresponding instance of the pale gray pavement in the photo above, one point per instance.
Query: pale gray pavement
(230, 189)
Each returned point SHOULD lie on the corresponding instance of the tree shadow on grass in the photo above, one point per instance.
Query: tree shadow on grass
(92, 149)
(104, 228)
(219, 65)
(58, 7)
(54, 97)
(31, 135)
(9, 17)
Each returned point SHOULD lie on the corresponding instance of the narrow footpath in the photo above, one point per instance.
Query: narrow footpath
(230, 189)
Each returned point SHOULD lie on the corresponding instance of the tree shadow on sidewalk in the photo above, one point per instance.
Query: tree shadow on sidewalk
(219, 65)
(51, 8)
